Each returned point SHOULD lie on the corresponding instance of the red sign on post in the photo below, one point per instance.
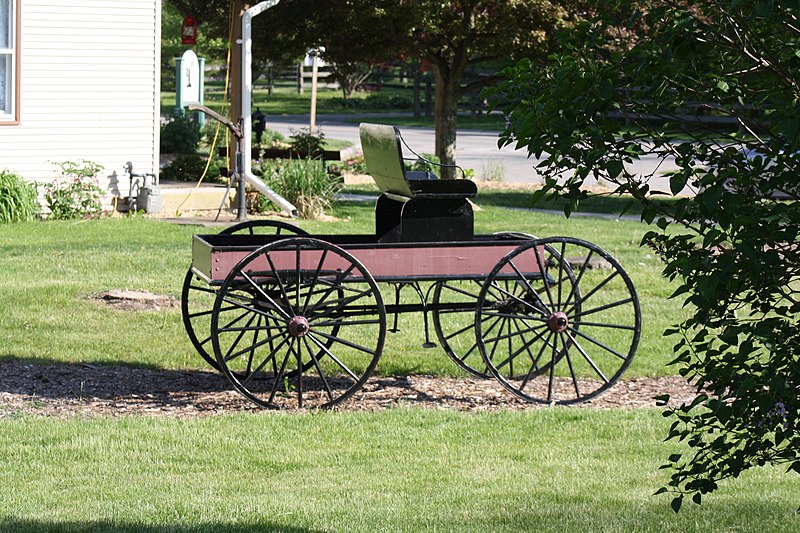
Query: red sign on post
(189, 30)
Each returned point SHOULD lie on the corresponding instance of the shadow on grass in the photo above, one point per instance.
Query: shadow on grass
(21, 525)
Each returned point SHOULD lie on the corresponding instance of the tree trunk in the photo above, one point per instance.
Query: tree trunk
(445, 115)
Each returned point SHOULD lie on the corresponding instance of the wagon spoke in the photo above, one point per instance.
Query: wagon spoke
(235, 343)
(534, 369)
(530, 329)
(314, 358)
(552, 370)
(345, 342)
(278, 378)
(560, 270)
(531, 290)
(230, 356)
(604, 325)
(603, 307)
(521, 301)
(276, 274)
(314, 279)
(543, 271)
(588, 359)
(579, 277)
(571, 369)
(598, 343)
(267, 297)
(599, 286)
(334, 358)
(512, 356)
(202, 288)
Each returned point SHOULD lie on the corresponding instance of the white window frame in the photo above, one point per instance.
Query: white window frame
(10, 114)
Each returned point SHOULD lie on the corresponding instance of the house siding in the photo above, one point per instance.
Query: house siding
(89, 89)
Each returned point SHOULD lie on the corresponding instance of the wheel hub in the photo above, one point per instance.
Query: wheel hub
(298, 326)
(558, 322)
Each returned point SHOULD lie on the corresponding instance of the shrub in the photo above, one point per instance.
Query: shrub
(18, 201)
(303, 182)
(75, 192)
(426, 163)
(186, 168)
(306, 141)
(272, 138)
(180, 136)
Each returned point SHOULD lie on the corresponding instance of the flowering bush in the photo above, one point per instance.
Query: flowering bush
(76, 192)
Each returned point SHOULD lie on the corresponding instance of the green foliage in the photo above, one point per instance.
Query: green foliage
(180, 135)
(303, 182)
(425, 163)
(305, 140)
(190, 168)
(731, 245)
(355, 164)
(375, 101)
(76, 192)
(18, 199)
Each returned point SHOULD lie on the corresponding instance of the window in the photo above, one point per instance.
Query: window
(8, 60)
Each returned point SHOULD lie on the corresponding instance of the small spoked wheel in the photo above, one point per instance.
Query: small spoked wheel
(454, 303)
(298, 323)
(197, 297)
(557, 321)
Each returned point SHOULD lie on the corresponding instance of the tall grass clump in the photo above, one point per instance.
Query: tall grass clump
(303, 182)
(18, 200)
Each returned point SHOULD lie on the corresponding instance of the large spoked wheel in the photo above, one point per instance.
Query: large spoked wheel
(298, 323)
(197, 297)
(454, 318)
(558, 321)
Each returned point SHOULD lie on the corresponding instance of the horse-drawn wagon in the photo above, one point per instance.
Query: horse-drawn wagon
(299, 320)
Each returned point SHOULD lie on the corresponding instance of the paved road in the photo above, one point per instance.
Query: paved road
(475, 149)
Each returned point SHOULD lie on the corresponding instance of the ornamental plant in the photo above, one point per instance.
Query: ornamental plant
(649, 79)
(18, 199)
(76, 192)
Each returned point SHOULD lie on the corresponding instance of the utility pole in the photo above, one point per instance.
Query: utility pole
(239, 7)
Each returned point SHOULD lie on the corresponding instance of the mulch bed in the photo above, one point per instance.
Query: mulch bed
(65, 390)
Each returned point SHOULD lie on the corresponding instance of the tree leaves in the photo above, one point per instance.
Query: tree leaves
(730, 245)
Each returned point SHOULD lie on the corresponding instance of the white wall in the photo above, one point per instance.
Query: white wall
(89, 88)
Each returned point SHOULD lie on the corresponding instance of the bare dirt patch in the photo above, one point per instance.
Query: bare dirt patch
(65, 390)
(127, 300)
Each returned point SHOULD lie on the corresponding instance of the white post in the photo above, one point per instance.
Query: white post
(247, 104)
(314, 70)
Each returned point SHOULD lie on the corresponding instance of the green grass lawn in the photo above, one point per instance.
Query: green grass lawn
(556, 469)
(400, 470)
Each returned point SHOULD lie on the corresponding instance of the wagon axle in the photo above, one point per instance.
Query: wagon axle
(298, 326)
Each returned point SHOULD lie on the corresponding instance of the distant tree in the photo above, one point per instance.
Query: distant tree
(731, 245)
(449, 35)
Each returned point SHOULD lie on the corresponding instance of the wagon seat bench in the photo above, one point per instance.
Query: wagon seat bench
(415, 206)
